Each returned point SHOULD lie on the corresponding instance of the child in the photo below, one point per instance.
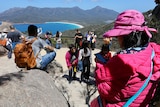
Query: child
(104, 55)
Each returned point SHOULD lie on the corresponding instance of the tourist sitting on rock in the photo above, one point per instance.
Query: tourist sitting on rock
(37, 46)
(72, 61)
(48, 36)
(15, 36)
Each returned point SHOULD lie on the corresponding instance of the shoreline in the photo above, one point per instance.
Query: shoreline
(63, 22)
(78, 25)
(22, 27)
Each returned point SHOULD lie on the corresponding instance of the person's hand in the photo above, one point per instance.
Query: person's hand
(74, 62)
(107, 40)
(75, 37)
(49, 48)
(70, 67)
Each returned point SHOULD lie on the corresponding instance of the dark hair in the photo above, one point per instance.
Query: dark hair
(71, 46)
(85, 45)
(48, 33)
(135, 39)
(11, 27)
(32, 30)
(157, 1)
(57, 34)
(105, 47)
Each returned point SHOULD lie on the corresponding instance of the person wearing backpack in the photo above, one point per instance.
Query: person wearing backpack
(37, 46)
(85, 57)
(130, 78)
(71, 58)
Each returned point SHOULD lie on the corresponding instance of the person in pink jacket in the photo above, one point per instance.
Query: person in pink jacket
(72, 61)
(134, 69)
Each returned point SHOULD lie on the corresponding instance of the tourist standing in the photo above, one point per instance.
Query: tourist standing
(93, 40)
(78, 39)
(14, 35)
(58, 39)
(89, 37)
(86, 58)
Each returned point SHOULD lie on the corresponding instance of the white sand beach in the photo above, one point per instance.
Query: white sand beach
(79, 26)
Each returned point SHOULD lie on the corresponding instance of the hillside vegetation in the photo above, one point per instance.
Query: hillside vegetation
(100, 29)
(40, 15)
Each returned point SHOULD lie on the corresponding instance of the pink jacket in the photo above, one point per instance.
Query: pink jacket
(68, 57)
(124, 74)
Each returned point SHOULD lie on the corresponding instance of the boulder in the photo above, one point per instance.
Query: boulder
(54, 68)
(31, 88)
(3, 51)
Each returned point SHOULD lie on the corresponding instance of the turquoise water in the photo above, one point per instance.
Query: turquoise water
(50, 26)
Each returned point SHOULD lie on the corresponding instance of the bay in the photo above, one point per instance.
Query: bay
(53, 27)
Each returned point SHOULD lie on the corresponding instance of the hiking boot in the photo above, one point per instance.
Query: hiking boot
(74, 76)
(69, 81)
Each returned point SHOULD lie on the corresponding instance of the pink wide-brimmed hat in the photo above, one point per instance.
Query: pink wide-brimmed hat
(127, 22)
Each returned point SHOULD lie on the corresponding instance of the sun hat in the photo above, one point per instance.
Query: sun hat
(127, 22)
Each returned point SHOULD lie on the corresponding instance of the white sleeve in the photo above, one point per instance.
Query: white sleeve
(80, 54)
(90, 57)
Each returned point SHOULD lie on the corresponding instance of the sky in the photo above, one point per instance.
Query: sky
(116, 5)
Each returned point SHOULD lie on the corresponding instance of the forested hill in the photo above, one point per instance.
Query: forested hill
(100, 29)
(38, 15)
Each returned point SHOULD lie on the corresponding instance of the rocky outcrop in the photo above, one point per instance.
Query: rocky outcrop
(3, 51)
(32, 88)
(54, 68)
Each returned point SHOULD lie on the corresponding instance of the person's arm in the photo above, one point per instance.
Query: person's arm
(49, 48)
(80, 55)
(45, 45)
(68, 57)
(110, 55)
(90, 57)
(21, 37)
(79, 36)
(75, 62)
